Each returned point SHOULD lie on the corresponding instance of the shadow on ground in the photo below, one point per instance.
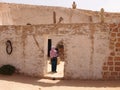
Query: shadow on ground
(49, 82)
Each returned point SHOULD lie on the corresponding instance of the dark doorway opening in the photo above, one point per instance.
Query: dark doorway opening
(49, 46)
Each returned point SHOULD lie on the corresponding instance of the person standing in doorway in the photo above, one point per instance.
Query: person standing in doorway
(53, 56)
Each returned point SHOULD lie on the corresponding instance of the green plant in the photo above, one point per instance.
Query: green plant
(7, 69)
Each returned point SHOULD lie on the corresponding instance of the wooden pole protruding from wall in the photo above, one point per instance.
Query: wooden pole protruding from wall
(102, 15)
(54, 17)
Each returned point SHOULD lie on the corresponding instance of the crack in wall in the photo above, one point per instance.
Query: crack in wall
(92, 48)
(40, 49)
(23, 43)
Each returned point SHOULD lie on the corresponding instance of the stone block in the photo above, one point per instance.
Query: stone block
(105, 68)
(111, 68)
(117, 58)
(115, 30)
(112, 77)
(117, 44)
(111, 47)
(106, 73)
(117, 68)
(113, 34)
(117, 49)
(112, 25)
(112, 53)
(105, 77)
(114, 73)
(118, 39)
(110, 58)
(118, 34)
(117, 63)
(110, 63)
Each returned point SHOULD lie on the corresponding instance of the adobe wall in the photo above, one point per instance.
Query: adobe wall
(28, 52)
(21, 14)
(88, 49)
(5, 15)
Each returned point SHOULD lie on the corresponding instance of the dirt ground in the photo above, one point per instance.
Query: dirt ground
(20, 82)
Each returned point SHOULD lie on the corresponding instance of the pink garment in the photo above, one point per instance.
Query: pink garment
(53, 53)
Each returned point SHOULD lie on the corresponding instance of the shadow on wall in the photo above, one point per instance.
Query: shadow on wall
(49, 83)
(60, 47)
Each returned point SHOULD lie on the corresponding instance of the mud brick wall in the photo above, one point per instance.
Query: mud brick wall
(111, 68)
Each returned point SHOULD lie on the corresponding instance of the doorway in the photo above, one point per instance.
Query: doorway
(60, 65)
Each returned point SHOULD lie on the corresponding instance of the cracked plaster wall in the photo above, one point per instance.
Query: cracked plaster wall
(86, 48)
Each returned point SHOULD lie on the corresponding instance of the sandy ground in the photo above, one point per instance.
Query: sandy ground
(20, 82)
